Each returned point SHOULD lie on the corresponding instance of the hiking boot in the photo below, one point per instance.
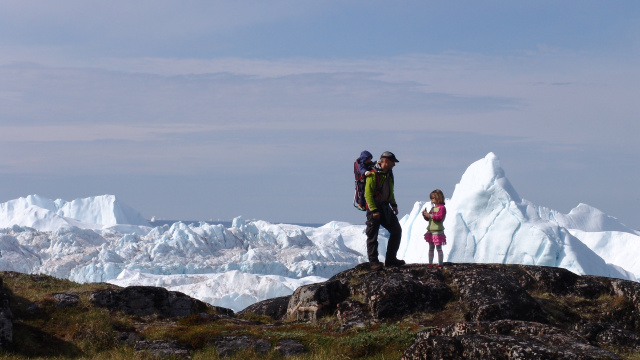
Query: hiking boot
(394, 262)
(375, 265)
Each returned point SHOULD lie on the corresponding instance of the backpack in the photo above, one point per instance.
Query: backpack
(359, 202)
(358, 198)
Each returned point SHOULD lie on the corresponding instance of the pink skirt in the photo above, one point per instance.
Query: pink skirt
(435, 239)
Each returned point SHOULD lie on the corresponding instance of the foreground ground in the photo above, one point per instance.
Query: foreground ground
(468, 311)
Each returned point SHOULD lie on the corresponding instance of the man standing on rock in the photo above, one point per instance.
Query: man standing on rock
(382, 210)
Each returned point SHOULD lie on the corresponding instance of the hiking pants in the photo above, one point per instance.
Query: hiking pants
(389, 221)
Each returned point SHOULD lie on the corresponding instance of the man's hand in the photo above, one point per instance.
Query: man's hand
(395, 210)
(376, 215)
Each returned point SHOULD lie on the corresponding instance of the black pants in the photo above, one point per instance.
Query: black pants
(389, 221)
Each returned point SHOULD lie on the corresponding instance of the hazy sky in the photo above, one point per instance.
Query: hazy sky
(209, 109)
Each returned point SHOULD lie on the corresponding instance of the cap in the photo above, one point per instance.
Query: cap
(389, 155)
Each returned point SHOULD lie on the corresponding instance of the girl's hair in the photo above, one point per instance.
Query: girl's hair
(438, 196)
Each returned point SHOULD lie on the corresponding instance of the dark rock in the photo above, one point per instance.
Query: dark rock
(6, 318)
(310, 302)
(552, 280)
(352, 313)
(503, 339)
(608, 335)
(228, 345)
(275, 308)
(494, 295)
(402, 292)
(289, 347)
(66, 299)
(163, 348)
(147, 300)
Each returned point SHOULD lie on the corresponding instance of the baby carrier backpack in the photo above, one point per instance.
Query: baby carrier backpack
(358, 198)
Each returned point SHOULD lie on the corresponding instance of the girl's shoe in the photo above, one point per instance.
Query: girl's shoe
(439, 266)
(430, 265)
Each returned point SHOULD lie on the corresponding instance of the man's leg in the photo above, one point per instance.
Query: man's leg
(395, 234)
(373, 226)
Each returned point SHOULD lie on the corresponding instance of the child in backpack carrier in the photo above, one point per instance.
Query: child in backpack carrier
(435, 230)
(361, 169)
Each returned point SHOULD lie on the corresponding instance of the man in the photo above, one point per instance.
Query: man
(382, 210)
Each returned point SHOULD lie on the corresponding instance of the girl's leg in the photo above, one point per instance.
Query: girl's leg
(431, 247)
(440, 255)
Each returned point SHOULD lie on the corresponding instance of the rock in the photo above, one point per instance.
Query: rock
(275, 308)
(494, 295)
(402, 292)
(6, 318)
(608, 335)
(502, 339)
(352, 313)
(228, 345)
(289, 347)
(66, 299)
(147, 300)
(310, 302)
(163, 348)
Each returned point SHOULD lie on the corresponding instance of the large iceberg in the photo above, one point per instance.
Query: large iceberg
(99, 239)
(487, 221)
(44, 214)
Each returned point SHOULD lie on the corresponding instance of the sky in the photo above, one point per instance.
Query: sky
(199, 110)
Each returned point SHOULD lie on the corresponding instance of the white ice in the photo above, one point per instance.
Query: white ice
(100, 239)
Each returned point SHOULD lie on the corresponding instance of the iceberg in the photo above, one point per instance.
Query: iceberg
(99, 239)
(488, 222)
(44, 214)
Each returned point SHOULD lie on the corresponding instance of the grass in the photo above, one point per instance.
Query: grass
(44, 331)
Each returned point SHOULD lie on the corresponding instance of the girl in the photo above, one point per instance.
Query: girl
(435, 230)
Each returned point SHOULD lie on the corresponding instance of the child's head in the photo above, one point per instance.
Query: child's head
(437, 197)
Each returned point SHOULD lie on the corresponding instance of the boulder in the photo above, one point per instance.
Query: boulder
(148, 300)
(310, 302)
(66, 299)
(275, 308)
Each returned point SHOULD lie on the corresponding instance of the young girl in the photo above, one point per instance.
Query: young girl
(435, 230)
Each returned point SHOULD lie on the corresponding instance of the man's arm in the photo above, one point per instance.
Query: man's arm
(392, 197)
(370, 193)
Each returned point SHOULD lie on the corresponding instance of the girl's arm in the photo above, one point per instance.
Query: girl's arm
(439, 213)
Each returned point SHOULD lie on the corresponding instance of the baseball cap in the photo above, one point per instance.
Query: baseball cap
(389, 155)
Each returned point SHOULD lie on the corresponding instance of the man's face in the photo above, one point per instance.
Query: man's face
(386, 164)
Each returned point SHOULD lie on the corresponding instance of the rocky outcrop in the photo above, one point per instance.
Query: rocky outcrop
(492, 295)
(512, 311)
(503, 339)
(6, 318)
(148, 300)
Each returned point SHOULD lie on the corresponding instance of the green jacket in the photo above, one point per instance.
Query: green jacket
(373, 190)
